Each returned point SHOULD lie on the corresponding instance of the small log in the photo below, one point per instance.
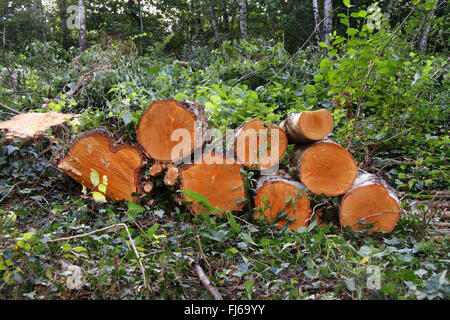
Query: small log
(32, 125)
(95, 150)
(171, 130)
(325, 167)
(308, 126)
(156, 169)
(282, 193)
(259, 145)
(171, 176)
(370, 201)
(218, 179)
(148, 186)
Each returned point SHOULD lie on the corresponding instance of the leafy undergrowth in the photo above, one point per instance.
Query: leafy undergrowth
(245, 257)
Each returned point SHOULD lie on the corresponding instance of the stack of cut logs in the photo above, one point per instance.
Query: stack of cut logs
(322, 167)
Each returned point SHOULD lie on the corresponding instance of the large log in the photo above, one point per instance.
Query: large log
(325, 167)
(282, 193)
(370, 201)
(308, 126)
(259, 145)
(216, 178)
(95, 150)
(165, 123)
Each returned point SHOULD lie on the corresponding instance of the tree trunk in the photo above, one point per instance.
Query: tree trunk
(63, 24)
(225, 18)
(276, 194)
(317, 26)
(328, 22)
(82, 30)
(259, 145)
(308, 126)
(426, 31)
(166, 122)
(214, 21)
(243, 18)
(141, 23)
(370, 201)
(95, 150)
(217, 179)
(325, 167)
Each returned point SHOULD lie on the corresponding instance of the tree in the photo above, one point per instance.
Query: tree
(328, 19)
(214, 21)
(317, 28)
(82, 30)
(426, 31)
(63, 24)
(243, 18)
(223, 8)
(142, 27)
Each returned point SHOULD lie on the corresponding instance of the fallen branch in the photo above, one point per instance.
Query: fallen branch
(4, 106)
(203, 278)
(107, 228)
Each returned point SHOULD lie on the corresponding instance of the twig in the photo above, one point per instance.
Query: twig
(7, 194)
(4, 106)
(203, 255)
(203, 278)
(107, 228)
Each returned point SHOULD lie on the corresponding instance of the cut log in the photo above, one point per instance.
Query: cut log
(156, 169)
(171, 176)
(170, 130)
(95, 150)
(216, 178)
(325, 167)
(259, 145)
(308, 126)
(276, 193)
(148, 186)
(32, 125)
(370, 201)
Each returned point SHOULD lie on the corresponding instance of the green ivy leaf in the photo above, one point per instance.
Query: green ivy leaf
(98, 197)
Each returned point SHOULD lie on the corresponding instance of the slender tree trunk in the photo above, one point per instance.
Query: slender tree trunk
(223, 8)
(389, 9)
(63, 25)
(426, 31)
(328, 22)
(82, 30)
(243, 18)
(318, 34)
(142, 27)
(214, 21)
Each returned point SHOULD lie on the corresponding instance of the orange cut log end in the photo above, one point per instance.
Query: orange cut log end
(276, 194)
(216, 178)
(370, 201)
(171, 175)
(308, 126)
(325, 167)
(95, 150)
(170, 130)
(258, 145)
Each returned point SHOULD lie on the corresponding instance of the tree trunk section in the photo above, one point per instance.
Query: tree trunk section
(317, 26)
(328, 22)
(259, 145)
(225, 19)
(426, 31)
(95, 150)
(165, 123)
(308, 126)
(63, 24)
(216, 178)
(82, 30)
(282, 193)
(243, 18)
(141, 24)
(214, 24)
(370, 201)
(325, 167)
